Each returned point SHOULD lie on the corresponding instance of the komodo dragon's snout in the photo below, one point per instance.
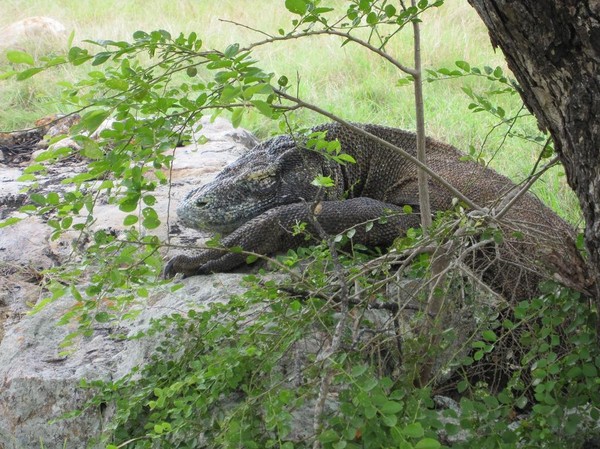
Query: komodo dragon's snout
(261, 197)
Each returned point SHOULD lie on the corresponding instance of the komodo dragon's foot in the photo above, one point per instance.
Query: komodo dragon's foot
(180, 264)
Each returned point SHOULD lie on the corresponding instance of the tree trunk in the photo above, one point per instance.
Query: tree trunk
(553, 48)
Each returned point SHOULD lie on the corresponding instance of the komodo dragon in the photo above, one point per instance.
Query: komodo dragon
(259, 198)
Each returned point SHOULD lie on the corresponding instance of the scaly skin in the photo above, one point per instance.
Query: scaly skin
(262, 195)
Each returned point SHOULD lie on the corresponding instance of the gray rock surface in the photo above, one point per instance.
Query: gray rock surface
(37, 384)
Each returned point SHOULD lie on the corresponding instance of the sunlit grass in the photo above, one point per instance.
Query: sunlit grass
(346, 80)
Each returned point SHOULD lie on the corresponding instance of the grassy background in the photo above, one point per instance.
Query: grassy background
(346, 80)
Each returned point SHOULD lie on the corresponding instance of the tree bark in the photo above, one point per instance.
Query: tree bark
(553, 48)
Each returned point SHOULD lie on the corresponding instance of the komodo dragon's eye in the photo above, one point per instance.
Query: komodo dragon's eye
(261, 175)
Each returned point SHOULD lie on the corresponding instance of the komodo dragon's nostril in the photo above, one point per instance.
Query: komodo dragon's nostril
(200, 203)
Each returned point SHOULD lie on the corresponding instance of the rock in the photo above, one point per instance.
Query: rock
(37, 384)
(32, 32)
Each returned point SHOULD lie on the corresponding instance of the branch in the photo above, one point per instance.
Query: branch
(525, 188)
(330, 32)
(423, 179)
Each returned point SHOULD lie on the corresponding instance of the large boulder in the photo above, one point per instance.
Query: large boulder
(33, 33)
(37, 383)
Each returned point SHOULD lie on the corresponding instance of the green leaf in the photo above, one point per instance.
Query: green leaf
(101, 58)
(55, 61)
(129, 204)
(258, 88)
(34, 168)
(357, 370)
(191, 71)
(236, 117)
(346, 158)
(521, 402)
(323, 181)
(391, 407)
(231, 50)
(78, 56)
(589, 370)
(369, 384)
(91, 150)
(53, 198)
(489, 335)
(414, 430)
(296, 6)
(463, 65)
(370, 411)
(389, 420)
(372, 18)
(139, 35)
(364, 5)
(389, 10)
(9, 221)
(462, 386)
(229, 93)
(102, 317)
(151, 220)
(263, 107)
(405, 81)
(66, 222)
(130, 220)
(19, 57)
(28, 73)
(428, 443)
(282, 81)
(9, 74)
(149, 200)
(329, 436)
(93, 119)
(117, 84)
(38, 199)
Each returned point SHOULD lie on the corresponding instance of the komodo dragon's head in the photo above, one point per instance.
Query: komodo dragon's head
(273, 173)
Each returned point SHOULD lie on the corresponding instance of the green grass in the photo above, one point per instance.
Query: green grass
(346, 80)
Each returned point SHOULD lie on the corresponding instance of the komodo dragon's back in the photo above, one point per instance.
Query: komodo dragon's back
(261, 196)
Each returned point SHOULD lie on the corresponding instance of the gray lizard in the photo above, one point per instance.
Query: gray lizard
(259, 198)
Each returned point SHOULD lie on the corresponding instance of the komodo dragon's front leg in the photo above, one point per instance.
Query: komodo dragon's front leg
(272, 232)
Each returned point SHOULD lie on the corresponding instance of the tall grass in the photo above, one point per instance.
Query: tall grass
(346, 80)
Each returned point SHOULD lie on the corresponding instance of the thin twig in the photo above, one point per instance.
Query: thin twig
(526, 188)
(422, 177)
(247, 27)
(330, 32)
